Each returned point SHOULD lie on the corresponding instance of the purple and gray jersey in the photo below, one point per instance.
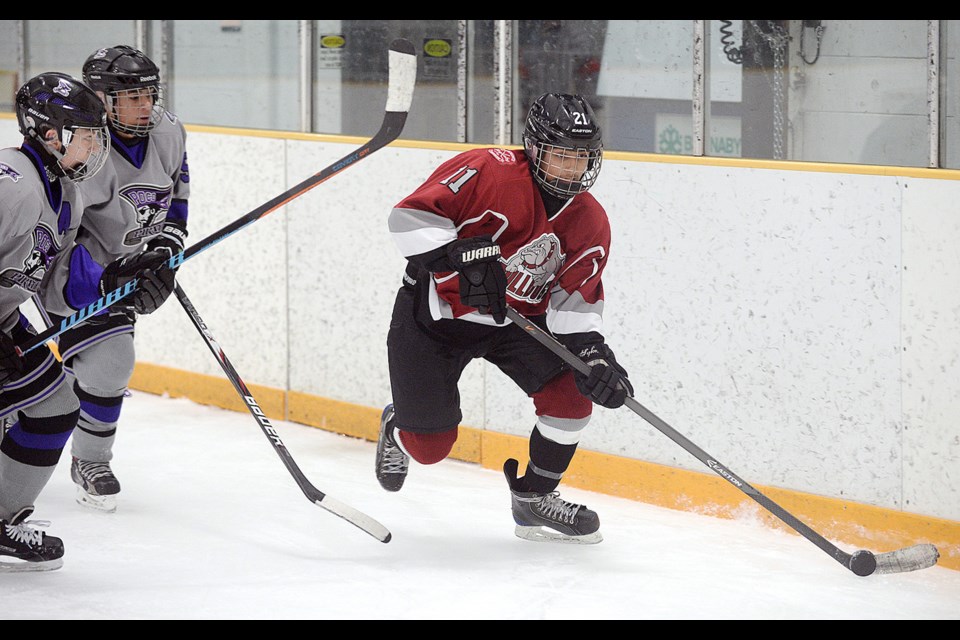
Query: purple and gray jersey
(38, 221)
(145, 183)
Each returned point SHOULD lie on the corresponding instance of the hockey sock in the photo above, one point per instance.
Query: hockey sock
(97, 426)
(38, 442)
(548, 461)
(427, 448)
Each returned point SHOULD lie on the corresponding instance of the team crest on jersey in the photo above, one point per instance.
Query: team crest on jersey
(151, 204)
(35, 265)
(532, 269)
(6, 171)
(504, 156)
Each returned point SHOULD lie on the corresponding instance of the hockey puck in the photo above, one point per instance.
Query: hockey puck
(863, 563)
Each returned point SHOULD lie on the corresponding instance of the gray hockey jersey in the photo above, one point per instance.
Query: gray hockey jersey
(39, 219)
(126, 205)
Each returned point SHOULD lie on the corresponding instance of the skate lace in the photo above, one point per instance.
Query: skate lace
(25, 533)
(95, 470)
(394, 460)
(554, 507)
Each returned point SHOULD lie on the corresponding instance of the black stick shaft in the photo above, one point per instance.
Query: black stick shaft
(556, 347)
(349, 514)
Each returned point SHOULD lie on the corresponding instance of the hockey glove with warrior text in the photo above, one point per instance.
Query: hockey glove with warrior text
(172, 238)
(11, 364)
(155, 279)
(607, 384)
(483, 283)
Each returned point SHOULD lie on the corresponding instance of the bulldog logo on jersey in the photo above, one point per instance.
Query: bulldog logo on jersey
(533, 268)
(151, 204)
(6, 171)
(35, 265)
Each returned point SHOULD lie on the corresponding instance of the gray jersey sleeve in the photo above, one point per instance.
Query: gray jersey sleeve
(19, 205)
(170, 140)
(35, 239)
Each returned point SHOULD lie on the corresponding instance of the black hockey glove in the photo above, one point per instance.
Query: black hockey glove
(483, 283)
(154, 288)
(11, 364)
(607, 384)
(172, 238)
(155, 279)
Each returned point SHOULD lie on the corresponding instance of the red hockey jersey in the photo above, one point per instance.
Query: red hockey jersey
(553, 264)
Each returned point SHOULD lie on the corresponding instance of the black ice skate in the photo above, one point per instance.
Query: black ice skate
(97, 487)
(545, 517)
(392, 463)
(23, 548)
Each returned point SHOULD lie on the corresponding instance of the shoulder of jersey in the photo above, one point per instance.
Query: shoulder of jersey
(500, 155)
(13, 165)
(20, 189)
(496, 157)
(18, 175)
(506, 156)
(169, 122)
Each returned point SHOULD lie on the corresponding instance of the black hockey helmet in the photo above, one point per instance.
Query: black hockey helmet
(563, 124)
(119, 69)
(56, 101)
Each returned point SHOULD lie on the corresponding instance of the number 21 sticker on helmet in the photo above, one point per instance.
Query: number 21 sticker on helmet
(562, 140)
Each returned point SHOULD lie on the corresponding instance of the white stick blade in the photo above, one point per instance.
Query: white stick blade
(356, 518)
(919, 556)
(403, 75)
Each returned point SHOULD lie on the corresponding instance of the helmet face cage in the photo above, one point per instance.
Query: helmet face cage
(563, 144)
(128, 79)
(58, 102)
(125, 112)
(99, 143)
(552, 165)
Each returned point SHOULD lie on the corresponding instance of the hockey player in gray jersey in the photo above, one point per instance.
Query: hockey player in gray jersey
(65, 142)
(136, 205)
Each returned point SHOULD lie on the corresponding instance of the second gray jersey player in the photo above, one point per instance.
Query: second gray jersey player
(135, 205)
(144, 187)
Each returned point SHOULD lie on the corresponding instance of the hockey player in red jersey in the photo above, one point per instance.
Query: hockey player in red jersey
(492, 227)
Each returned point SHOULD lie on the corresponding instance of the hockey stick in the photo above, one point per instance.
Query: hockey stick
(313, 494)
(862, 562)
(402, 78)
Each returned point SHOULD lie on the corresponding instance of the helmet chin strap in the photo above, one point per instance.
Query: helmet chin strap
(56, 153)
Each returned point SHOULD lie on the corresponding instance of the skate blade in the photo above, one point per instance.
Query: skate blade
(543, 534)
(107, 504)
(24, 566)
